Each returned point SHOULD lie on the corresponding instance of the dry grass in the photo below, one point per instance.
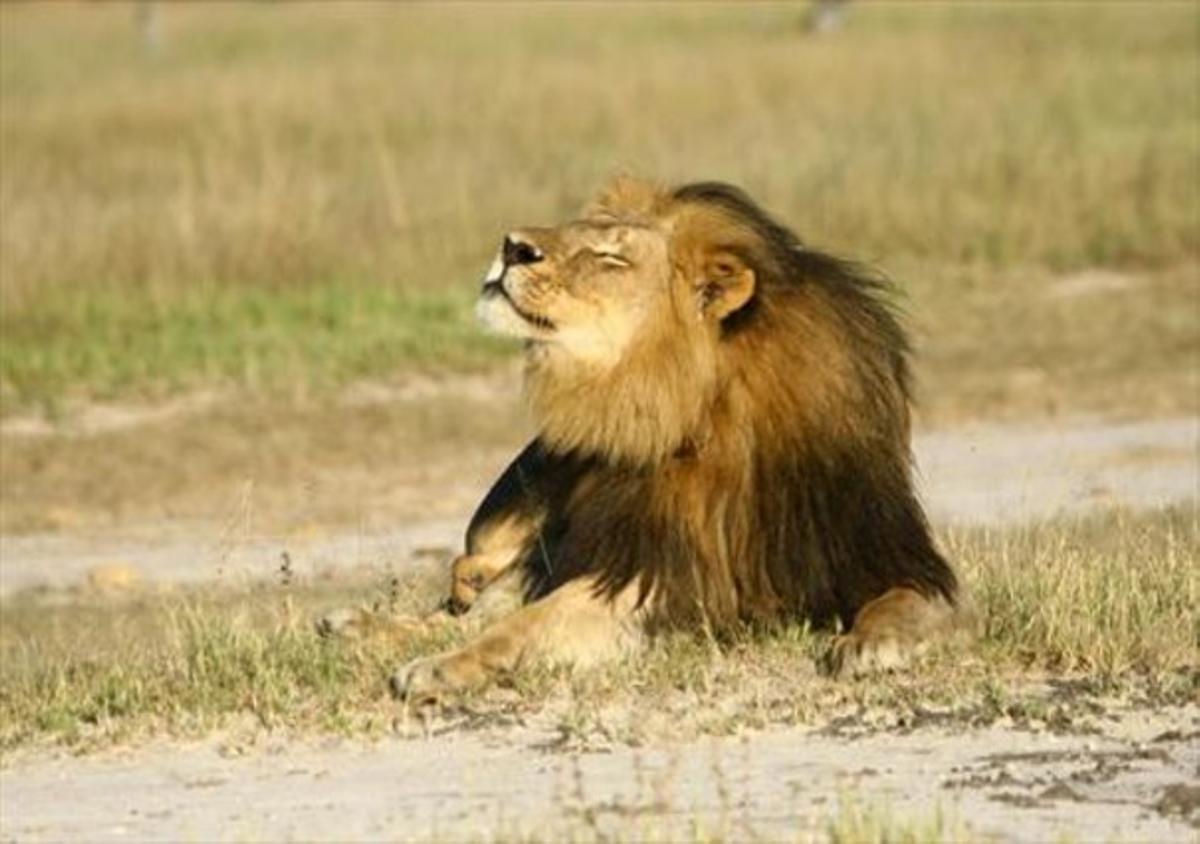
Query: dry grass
(355, 465)
(1072, 612)
(870, 822)
(305, 194)
(855, 820)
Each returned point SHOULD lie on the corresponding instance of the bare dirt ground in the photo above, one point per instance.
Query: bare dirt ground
(1132, 773)
(1134, 779)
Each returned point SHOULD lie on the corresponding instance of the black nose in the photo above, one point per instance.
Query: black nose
(518, 252)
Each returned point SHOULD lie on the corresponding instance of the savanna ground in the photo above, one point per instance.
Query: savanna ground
(236, 271)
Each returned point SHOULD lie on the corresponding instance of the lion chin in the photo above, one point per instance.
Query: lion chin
(723, 439)
(495, 312)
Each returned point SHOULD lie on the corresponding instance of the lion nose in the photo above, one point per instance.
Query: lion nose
(517, 251)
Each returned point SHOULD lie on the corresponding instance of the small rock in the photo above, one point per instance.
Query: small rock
(1179, 799)
(1061, 791)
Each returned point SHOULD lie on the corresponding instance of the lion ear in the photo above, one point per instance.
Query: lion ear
(726, 284)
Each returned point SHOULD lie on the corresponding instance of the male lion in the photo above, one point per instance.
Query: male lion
(723, 420)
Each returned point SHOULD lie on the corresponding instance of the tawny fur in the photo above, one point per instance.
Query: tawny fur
(731, 448)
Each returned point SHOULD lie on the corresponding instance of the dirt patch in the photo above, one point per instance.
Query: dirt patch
(423, 498)
(87, 419)
(510, 780)
(994, 475)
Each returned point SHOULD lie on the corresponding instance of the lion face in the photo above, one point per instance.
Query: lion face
(583, 290)
(623, 314)
(637, 264)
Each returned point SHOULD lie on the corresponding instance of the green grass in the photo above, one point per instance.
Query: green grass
(187, 663)
(307, 194)
(1072, 611)
(315, 337)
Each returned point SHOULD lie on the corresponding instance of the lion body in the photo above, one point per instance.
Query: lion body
(739, 453)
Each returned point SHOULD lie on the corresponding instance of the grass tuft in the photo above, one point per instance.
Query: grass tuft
(859, 822)
(1105, 596)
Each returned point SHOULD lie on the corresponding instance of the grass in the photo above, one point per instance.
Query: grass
(859, 822)
(1071, 611)
(854, 820)
(308, 337)
(373, 461)
(292, 197)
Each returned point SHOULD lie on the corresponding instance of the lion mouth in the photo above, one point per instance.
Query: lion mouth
(496, 288)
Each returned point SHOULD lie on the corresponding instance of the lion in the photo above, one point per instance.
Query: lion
(723, 440)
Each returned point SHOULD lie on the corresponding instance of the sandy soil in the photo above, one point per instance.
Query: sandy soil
(1135, 780)
(1133, 775)
(973, 476)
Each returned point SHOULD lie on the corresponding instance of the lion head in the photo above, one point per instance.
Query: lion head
(744, 401)
(639, 316)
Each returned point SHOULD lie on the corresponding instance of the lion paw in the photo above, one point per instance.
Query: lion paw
(853, 655)
(417, 681)
(343, 623)
(362, 623)
(435, 677)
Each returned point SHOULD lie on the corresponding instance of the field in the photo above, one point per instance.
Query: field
(295, 198)
(241, 384)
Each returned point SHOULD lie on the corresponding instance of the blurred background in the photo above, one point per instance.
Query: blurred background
(240, 242)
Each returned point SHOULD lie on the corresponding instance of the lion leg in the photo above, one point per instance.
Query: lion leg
(501, 594)
(362, 623)
(889, 630)
(471, 574)
(572, 625)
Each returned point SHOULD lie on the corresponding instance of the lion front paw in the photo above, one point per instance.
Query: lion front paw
(417, 681)
(435, 677)
(363, 623)
(854, 654)
(343, 623)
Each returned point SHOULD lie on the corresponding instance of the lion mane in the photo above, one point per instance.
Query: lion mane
(767, 476)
